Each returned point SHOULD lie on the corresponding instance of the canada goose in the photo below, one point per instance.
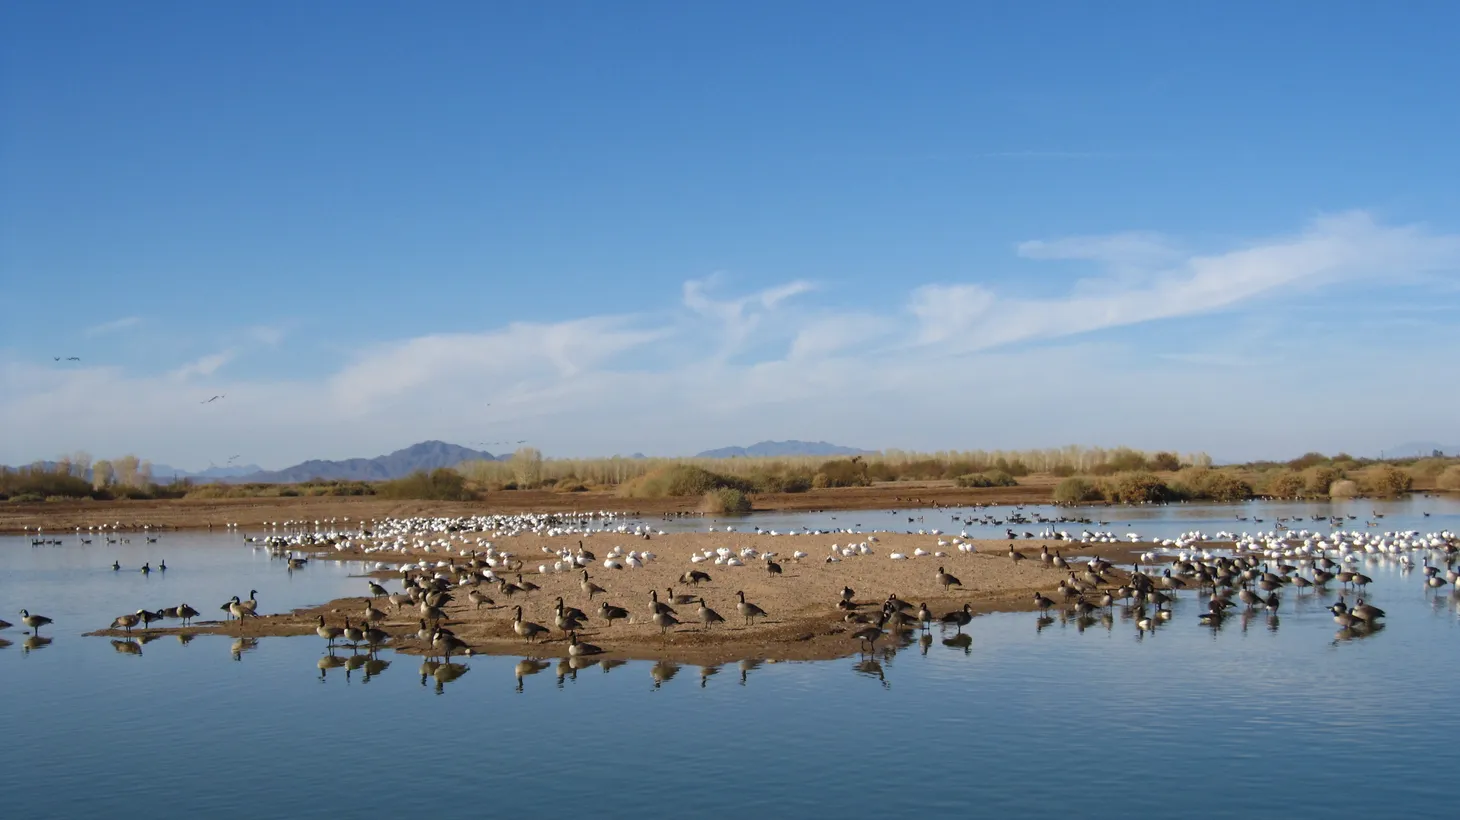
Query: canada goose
(664, 621)
(772, 567)
(329, 633)
(565, 621)
(590, 587)
(847, 593)
(446, 644)
(576, 649)
(959, 617)
(116, 566)
(694, 577)
(161, 565)
(527, 587)
(478, 599)
(374, 636)
(186, 613)
(570, 611)
(611, 613)
(925, 615)
(946, 580)
(656, 607)
(527, 629)
(127, 621)
(377, 591)
(146, 569)
(252, 604)
(1042, 602)
(1016, 555)
(237, 609)
(148, 617)
(870, 634)
(681, 600)
(1367, 613)
(749, 610)
(708, 616)
(352, 633)
(373, 614)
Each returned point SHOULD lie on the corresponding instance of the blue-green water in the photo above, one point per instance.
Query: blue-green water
(1264, 717)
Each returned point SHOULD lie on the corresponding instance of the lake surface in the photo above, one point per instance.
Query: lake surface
(1265, 717)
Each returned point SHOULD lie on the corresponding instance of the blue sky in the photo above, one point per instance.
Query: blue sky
(664, 227)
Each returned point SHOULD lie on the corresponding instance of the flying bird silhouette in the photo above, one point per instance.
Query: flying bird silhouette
(73, 358)
(210, 401)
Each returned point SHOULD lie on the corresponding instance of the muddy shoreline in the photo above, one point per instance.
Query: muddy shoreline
(803, 620)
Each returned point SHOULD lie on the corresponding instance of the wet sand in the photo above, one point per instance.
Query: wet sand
(803, 621)
(247, 513)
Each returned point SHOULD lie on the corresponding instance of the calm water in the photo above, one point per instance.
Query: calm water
(1262, 718)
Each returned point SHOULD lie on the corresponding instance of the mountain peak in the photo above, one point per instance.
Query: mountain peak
(772, 449)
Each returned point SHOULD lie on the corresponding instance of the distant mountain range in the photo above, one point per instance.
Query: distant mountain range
(766, 449)
(427, 455)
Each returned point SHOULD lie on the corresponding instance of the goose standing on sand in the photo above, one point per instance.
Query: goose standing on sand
(35, 622)
(664, 621)
(446, 643)
(186, 613)
(578, 650)
(252, 604)
(657, 607)
(945, 580)
(870, 634)
(694, 577)
(352, 633)
(527, 629)
(590, 587)
(478, 599)
(611, 613)
(748, 610)
(127, 621)
(329, 633)
(707, 616)
(239, 610)
(680, 600)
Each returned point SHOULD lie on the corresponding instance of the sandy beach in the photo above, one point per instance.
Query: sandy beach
(803, 621)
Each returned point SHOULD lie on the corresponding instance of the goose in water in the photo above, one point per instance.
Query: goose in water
(1042, 602)
(147, 569)
(1368, 613)
(329, 633)
(590, 587)
(34, 622)
(869, 635)
(527, 629)
(945, 580)
(578, 650)
(959, 617)
(116, 566)
(374, 636)
(707, 616)
(611, 613)
(127, 621)
(748, 610)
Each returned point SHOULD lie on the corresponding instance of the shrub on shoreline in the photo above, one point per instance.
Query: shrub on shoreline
(1286, 484)
(1137, 488)
(681, 480)
(725, 501)
(438, 485)
(1343, 488)
(991, 478)
(1076, 490)
(1386, 480)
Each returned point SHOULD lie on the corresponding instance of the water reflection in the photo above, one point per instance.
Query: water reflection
(34, 642)
(662, 672)
(746, 666)
(872, 669)
(528, 666)
(443, 673)
(706, 672)
(127, 647)
(960, 641)
(242, 645)
(328, 662)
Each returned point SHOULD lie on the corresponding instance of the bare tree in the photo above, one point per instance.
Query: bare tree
(101, 474)
(144, 473)
(81, 463)
(527, 466)
(63, 465)
(126, 470)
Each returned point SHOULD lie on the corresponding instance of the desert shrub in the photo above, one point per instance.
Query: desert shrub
(844, 473)
(1285, 484)
(681, 480)
(27, 498)
(1210, 485)
(990, 478)
(1449, 479)
(1062, 470)
(1429, 467)
(129, 491)
(1320, 479)
(1387, 480)
(441, 484)
(725, 501)
(1343, 488)
(570, 485)
(1075, 490)
(1137, 488)
(1128, 461)
(1104, 469)
(1165, 462)
(1308, 461)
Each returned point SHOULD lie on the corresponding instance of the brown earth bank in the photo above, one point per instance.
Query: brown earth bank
(802, 621)
(203, 513)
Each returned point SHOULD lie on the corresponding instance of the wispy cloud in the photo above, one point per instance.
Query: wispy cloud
(718, 366)
(114, 326)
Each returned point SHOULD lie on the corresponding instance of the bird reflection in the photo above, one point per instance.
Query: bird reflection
(663, 671)
(373, 667)
(706, 672)
(327, 663)
(962, 641)
(924, 641)
(871, 669)
(4, 643)
(1041, 622)
(1272, 622)
(185, 638)
(747, 665)
(1356, 633)
(528, 666)
(611, 663)
(352, 663)
(446, 673)
(126, 647)
(243, 645)
(34, 642)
